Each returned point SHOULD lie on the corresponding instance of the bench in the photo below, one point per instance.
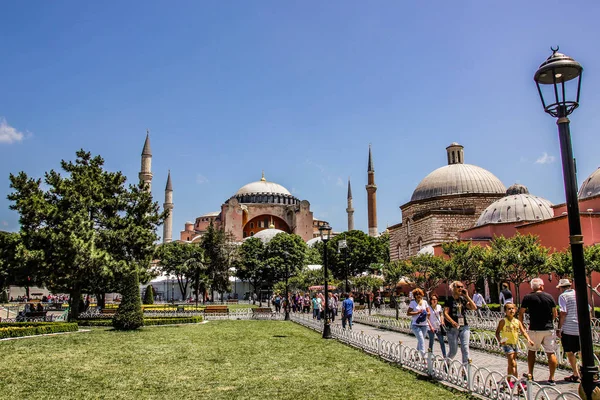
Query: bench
(37, 316)
(232, 301)
(108, 311)
(216, 310)
(262, 313)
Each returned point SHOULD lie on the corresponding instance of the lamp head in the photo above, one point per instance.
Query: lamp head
(551, 77)
(325, 231)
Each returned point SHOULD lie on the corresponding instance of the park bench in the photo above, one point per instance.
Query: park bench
(232, 301)
(108, 311)
(262, 313)
(216, 310)
(37, 316)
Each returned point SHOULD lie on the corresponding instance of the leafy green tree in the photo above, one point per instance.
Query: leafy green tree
(129, 315)
(251, 264)
(149, 295)
(363, 251)
(87, 231)
(426, 271)
(466, 262)
(214, 243)
(562, 263)
(517, 259)
(286, 254)
(368, 283)
(313, 254)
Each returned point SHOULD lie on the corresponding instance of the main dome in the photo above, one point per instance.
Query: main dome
(263, 187)
(457, 178)
(591, 186)
(515, 208)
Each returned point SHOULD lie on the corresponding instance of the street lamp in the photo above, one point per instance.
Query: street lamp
(287, 295)
(325, 231)
(553, 77)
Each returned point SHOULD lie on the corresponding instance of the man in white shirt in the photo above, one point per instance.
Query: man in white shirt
(568, 326)
(479, 301)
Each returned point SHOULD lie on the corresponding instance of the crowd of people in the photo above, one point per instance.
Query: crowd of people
(51, 298)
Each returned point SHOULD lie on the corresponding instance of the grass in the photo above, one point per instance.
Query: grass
(218, 360)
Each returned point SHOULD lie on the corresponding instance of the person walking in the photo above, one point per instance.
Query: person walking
(507, 334)
(505, 295)
(479, 301)
(347, 311)
(455, 316)
(316, 307)
(436, 324)
(418, 309)
(568, 326)
(542, 313)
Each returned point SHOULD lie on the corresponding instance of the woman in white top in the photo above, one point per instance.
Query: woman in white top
(436, 322)
(418, 309)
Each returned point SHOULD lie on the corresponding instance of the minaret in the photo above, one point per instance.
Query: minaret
(350, 210)
(371, 196)
(168, 224)
(146, 172)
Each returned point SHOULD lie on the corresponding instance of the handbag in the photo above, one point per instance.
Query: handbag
(442, 329)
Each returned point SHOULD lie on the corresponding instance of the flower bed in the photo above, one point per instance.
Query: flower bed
(148, 321)
(18, 329)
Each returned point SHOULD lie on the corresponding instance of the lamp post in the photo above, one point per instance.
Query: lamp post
(552, 78)
(287, 295)
(325, 231)
(343, 244)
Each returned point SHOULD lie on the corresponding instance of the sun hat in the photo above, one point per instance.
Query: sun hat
(563, 282)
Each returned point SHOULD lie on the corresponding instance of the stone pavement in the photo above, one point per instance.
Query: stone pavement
(495, 362)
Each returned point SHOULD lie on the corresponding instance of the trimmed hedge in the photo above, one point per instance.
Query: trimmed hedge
(18, 329)
(147, 321)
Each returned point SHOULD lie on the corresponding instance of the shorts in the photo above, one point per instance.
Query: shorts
(570, 343)
(546, 339)
(509, 348)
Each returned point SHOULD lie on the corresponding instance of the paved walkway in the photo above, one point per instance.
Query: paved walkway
(480, 358)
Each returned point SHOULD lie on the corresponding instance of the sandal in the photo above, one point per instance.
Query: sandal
(572, 378)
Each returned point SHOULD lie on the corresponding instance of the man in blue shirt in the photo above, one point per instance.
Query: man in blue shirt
(347, 311)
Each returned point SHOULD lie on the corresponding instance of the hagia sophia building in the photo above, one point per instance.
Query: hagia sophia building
(261, 209)
(456, 201)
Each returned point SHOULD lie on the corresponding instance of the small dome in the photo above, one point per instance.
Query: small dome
(426, 250)
(266, 234)
(515, 208)
(591, 186)
(458, 179)
(517, 188)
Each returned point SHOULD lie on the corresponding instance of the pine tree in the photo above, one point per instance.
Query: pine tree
(129, 315)
(149, 295)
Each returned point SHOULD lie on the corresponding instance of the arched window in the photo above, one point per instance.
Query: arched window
(399, 251)
(407, 227)
(251, 225)
(251, 233)
(458, 155)
(453, 158)
(408, 249)
(420, 243)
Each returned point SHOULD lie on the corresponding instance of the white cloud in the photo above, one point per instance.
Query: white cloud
(4, 223)
(8, 134)
(340, 182)
(545, 159)
(200, 179)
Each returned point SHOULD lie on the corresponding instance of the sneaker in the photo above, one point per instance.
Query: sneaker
(551, 382)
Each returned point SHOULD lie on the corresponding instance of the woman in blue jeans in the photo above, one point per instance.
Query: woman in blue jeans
(418, 309)
(436, 322)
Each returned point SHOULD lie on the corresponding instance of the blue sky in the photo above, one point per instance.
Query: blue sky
(297, 89)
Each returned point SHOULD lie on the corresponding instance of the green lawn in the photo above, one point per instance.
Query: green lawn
(216, 360)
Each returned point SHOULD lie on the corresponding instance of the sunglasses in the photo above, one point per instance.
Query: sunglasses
(459, 287)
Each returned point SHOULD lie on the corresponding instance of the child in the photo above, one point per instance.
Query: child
(507, 334)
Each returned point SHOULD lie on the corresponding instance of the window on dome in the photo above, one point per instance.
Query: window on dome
(245, 234)
(251, 225)
(251, 233)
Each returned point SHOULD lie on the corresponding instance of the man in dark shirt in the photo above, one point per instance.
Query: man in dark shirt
(456, 320)
(542, 313)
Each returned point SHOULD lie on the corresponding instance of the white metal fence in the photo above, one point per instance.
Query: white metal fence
(479, 381)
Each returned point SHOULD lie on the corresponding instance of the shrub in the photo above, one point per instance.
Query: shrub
(129, 315)
(18, 329)
(149, 295)
(147, 321)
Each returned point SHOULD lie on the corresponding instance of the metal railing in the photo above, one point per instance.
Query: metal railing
(475, 380)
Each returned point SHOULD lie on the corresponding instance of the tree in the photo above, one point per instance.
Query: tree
(313, 254)
(363, 251)
(517, 259)
(87, 231)
(286, 254)
(562, 263)
(368, 283)
(149, 295)
(214, 244)
(466, 262)
(129, 315)
(251, 264)
(426, 271)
